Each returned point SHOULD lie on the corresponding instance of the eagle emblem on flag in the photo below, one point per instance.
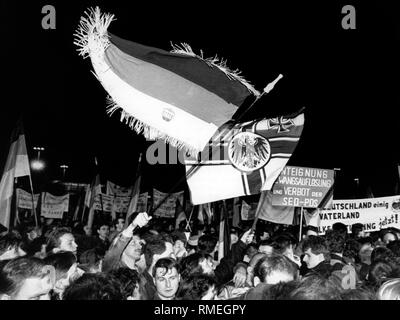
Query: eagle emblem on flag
(248, 151)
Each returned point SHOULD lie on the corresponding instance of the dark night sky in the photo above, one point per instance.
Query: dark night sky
(348, 80)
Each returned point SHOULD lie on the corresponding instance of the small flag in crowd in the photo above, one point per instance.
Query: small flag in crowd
(177, 96)
(245, 160)
(275, 214)
(17, 165)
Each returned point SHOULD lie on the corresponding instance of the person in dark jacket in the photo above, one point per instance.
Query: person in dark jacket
(316, 255)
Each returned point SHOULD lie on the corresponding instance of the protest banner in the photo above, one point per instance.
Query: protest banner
(54, 206)
(374, 213)
(248, 211)
(167, 209)
(114, 189)
(301, 187)
(24, 199)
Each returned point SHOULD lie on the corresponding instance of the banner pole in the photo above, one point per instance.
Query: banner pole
(33, 202)
(301, 222)
(259, 206)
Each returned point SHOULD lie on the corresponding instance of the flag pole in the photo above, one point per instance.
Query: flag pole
(301, 222)
(229, 126)
(33, 201)
(137, 175)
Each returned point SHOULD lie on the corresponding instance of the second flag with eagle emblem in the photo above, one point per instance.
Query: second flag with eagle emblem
(243, 159)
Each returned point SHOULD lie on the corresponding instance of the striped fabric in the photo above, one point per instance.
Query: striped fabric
(215, 177)
(176, 96)
(17, 165)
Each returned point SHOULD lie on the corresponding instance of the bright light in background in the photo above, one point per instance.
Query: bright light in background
(37, 165)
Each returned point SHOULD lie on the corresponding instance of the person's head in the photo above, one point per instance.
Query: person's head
(234, 234)
(94, 286)
(26, 278)
(389, 290)
(275, 268)
(394, 246)
(197, 286)
(335, 240)
(251, 268)
(311, 231)
(315, 250)
(380, 272)
(66, 267)
(341, 227)
(166, 278)
(365, 251)
(251, 251)
(357, 230)
(179, 240)
(351, 249)
(10, 246)
(157, 248)
(130, 283)
(133, 250)
(382, 254)
(266, 247)
(119, 224)
(317, 287)
(88, 230)
(103, 231)
(196, 263)
(279, 291)
(91, 260)
(33, 232)
(207, 244)
(388, 236)
(283, 243)
(61, 239)
(358, 294)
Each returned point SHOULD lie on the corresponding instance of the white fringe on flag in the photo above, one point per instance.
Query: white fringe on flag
(92, 40)
(215, 62)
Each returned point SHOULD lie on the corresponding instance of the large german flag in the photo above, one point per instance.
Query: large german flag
(176, 96)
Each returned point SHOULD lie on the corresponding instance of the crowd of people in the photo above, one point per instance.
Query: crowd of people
(143, 259)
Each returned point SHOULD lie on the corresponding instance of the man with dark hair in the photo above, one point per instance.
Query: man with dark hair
(101, 240)
(197, 287)
(10, 246)
(26, 278)
(91, 260)
(156, 247)
(61, 239)
(336, 241)
(66, 268)
(118, 224)
(94, 286)
(284, 244)
(317, 287)
(196, 263)
(166, 278)
(394, 246)
(130, 282)
(341, 227)
(270, 270)
(357, 231)
(126, 250)
(207, 244)
(315, 255)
